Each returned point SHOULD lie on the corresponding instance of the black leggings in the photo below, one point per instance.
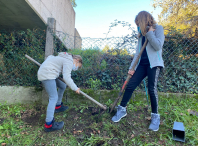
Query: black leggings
(141, 72)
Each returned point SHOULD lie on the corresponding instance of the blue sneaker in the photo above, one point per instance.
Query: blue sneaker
(53, 126)
(121, 112)
(60, 108)
(155, 122)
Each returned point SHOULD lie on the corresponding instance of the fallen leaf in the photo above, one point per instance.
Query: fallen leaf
(79, 131)
(98, 131)
(59, 134)
(165, 112)
(132, 135)
(189, 110)
(160, 142)
(3, 144)
(74, 132)
(76, 118)
(106, 137)
(148, 118)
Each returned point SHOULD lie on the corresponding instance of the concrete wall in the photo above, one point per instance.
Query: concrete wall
(77, 40)
(12, 95)
(18, 15)
(64, 15)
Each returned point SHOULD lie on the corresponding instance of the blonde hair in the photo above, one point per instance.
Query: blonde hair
(143, 20)
(77, 57)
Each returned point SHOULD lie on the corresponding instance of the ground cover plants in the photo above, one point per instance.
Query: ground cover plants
(22, 124)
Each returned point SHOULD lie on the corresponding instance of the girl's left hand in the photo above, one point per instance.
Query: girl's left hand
(78, 91)
(151, 28)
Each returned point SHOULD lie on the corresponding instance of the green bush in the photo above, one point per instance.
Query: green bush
(110, 70)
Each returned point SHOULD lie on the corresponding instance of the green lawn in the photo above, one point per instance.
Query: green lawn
(23, 124)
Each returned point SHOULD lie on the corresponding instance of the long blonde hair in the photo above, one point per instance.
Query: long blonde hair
(143, 20)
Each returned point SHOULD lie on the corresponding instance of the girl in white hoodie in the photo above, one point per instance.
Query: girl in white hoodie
(48, 74)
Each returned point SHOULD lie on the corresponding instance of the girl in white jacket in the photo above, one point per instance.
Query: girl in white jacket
(48, 73)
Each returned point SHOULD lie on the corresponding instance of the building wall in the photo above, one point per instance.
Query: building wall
(64, 15)
(77, 40)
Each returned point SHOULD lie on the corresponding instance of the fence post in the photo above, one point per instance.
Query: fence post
(49, 45)
(49, 49)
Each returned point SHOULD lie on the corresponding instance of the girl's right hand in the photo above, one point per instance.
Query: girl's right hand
(131, 72)
(151, 28)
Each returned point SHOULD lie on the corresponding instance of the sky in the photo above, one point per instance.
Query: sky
(94, 17)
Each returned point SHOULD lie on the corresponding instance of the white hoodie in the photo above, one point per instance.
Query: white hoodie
(53, 66)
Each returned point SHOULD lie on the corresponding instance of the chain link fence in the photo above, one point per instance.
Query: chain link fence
(15, 69)
(105, 60)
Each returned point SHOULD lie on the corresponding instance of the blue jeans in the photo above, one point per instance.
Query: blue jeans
(55, 97)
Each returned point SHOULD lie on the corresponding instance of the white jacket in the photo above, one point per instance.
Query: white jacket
(53, 66)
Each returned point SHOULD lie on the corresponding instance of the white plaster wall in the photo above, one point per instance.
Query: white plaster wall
(64, 15)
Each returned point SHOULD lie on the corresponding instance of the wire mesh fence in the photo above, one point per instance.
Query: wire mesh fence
(105, 60)
(14, 68)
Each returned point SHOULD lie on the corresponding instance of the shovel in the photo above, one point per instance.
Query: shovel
(129, 76)
(90, 98)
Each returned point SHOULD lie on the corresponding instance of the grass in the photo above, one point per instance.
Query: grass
(23, 124)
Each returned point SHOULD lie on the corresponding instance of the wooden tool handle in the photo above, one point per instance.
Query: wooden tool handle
(129, 76)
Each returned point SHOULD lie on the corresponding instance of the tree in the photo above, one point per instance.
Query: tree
(106, 49)
(113, 51)
(180, 14)
(73, 2)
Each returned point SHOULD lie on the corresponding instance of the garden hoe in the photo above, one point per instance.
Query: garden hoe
(90, 98)
(128, 76)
